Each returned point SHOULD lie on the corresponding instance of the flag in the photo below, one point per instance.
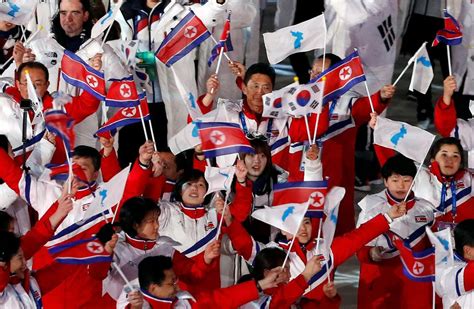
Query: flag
(313, 192)
(301, 100)
(219, 178)
(108, 194)
(341, 77)
(61, 124)
(187, 35)
(410, 141)
(36, 103)
(18, 12)
(186, 139)
(124, 116)
(122, 93)
(81, 251)
(106, 21)
(79, 74)
(11, 118)
(224, 42)
(298, 38)
(61, 172)
(451, 33)
(222, 138)
(443, 245)
(273, 103)
(331, 208)
(422, 71)
(417, 266)
(286, 217)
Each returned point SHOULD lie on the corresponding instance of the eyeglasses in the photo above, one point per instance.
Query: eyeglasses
(36, 84)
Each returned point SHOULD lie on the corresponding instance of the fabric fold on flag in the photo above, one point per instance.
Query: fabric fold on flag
(286, 217)
(451, 33)
(443, 245)
(422, 71)
(298, 38)
(78, 73)
(18, 12)
(61, 124)
(106, 21)
(302, 100)
(224, 43)
(122, 93)
(410, 141)
(61, 172)
(219, 178)
(81, 251)
(187, 35)
(417, 266)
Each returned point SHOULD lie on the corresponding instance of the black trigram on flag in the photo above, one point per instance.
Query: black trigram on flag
(387, 33)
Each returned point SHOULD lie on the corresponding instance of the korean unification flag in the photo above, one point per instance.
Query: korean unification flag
(422, 71)
(304, 99)
(219, 178)
(37, 104)
(286, 217)
(185, 139)
(410, 141)
(106, 21)
(331, 209)
(443, 245)
(302, 37)
(18, 12)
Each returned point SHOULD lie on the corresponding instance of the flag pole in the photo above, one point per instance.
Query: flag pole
(143, 122)
(106, 35)
(120, 272)
(366, 87)
(218, 65)
(294, 236)
(225, 54)
(26, 42)
(449, 59)
(221, 221)
(324, 79)
(152, 134)
(307, 129)
(68, 158)
(316, 125)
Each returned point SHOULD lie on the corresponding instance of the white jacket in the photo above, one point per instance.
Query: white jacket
(14, 296)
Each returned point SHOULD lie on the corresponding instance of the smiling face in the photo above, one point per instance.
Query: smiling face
(304, 233)
(257, 85)
(166, 289)
(193, 192)
(38, 78)
(18, 264)
(6, 26)
(449, 159)
(398, 185)
(148, 227)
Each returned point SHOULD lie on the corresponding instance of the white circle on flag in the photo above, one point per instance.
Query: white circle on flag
(190, 32)
(129, 111)
(95, 247)
(217, 137)
(345, 73)
(125, 91)
(418, 268)
(92, 81)
(316, 199)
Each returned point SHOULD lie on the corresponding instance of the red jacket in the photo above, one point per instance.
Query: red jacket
(80, 108)
(444, 117)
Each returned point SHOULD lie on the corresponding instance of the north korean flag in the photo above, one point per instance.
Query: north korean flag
(61, 124)
(187, 35)
(61, 171)
(222, 138)
(78, 73)
(125, 116)
(417, 266)
(341, 77)
(300, 192)
(451, 33)
(122, 93)
(224, 43)
(80, 251)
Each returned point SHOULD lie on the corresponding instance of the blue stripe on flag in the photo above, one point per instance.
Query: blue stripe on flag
(82, 261)
(59, 248)
(202, 242)
(75, 226)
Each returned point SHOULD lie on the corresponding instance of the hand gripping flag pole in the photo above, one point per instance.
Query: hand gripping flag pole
(221, 221)
(26, 43)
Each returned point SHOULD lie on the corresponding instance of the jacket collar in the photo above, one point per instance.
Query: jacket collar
(410, 202)
(194, 212)
(141, 244)
(435, 170)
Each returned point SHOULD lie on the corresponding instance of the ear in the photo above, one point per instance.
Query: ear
(467, 252)
(244, 89)
(17, 84)
(86, 17)
(385, 182)
(47, 83)
(95, 175)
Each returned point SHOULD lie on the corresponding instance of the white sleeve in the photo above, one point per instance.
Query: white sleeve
(40, 156)
(464, 130)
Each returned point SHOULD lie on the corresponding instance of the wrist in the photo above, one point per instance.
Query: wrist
(259, 286)
(144, 163)
(447, 99)
(242, 181)
(388, 218)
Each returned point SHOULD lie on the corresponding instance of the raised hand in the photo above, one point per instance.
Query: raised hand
(146, 153)
(312, 267)
(107, 145)
(330, 290)
(219, 204)
(375, 253)
(449, 86)
(373, 120)
(398, 210)
(387, 92)
(241, 172)
(135, 299)
(212, 251)
(237, 68)
(157, 164)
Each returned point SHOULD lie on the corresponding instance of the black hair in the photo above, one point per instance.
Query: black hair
(133, 211)
(447, 141)
(189, 175)
(267, 259)
(332, 58)
(260, 68)
(400, 165)
(58, 31)
(9, 245)
(33, 65)
(5, 221)
(261, 146)
(463, 235)
(152, 270)
(83, 151)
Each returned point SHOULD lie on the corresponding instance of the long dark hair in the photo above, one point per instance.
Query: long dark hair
(133, 211)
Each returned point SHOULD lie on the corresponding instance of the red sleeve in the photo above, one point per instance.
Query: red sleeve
(343, 247)
(298, 132)
(363, 255)
(109, 166)
(242, 204)
(199, 164)
(188, 270)
(444, 117)
(82, 106)
(383, 153)
(230, 297)
(204, 109)
(136, 182)
(469, 277)
(4, 278)
(361, 108)
(10, 172)
(154, 188)
(39, 235)
(288, 294)
(241, 240)
(52, 275)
